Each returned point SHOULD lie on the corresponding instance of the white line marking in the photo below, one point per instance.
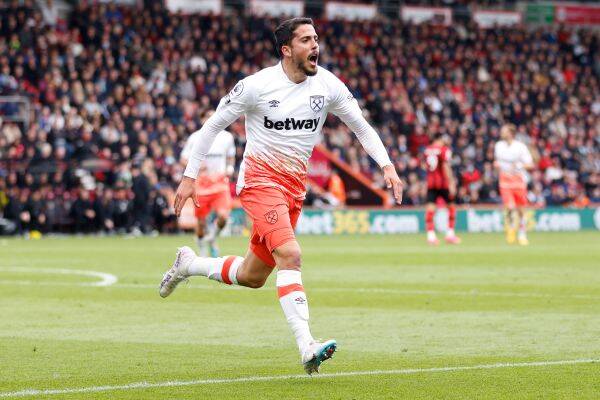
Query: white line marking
(106, 279)
(472, 293)
(147, 385)
(418, 292)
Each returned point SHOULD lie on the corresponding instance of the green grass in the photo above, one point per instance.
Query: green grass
(391, 302)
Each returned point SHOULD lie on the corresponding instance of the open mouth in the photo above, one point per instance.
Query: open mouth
(312, 59)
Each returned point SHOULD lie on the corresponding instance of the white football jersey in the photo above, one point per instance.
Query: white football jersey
(215, 162)
(509, 155)
(283, 123)
(511, 159)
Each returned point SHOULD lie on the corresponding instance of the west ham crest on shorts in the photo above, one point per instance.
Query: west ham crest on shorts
(317, 103)
(271, 217)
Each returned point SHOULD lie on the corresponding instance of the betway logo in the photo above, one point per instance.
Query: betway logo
(292, 123)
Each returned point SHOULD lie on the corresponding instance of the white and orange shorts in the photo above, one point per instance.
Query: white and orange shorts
(274, 215)
(219, 202)
(514, 197)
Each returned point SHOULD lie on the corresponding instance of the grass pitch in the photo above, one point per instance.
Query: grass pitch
(480, 320)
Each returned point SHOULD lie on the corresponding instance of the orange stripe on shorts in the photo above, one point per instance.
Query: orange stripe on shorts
(225, 270)
(285, 290)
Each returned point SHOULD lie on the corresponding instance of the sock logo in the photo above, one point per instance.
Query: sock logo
(300, 300)
(272, 217)
(292, 124)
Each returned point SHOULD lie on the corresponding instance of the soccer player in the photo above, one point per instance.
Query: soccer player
(440, 184)
(513, 160)
(212, 188)
(285, 107)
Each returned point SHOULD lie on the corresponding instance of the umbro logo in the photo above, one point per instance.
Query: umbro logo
(300, 300)
(274, 103)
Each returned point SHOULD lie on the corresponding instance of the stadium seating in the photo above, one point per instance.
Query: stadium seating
(115, 91)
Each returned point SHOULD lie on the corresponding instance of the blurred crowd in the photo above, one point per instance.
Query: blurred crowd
(115, 92)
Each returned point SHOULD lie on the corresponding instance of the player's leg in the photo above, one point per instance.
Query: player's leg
(292, 297)
(429, 215)
(450, 233)
(251, 271)
(200, 232)
(222, 205)
(509, 208)
(451, 207)
(201, 213)
(521, 203)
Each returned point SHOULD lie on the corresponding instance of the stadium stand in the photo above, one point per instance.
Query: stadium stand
(115, 91)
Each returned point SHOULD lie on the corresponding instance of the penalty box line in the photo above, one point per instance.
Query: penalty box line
(250, 379)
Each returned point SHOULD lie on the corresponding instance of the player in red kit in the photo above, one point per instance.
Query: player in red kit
(440, 183)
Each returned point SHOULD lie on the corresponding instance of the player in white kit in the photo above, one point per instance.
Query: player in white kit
(212, 188)
(285, 107)
(513, 160)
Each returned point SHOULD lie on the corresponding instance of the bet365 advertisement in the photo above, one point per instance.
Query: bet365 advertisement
(340, 222)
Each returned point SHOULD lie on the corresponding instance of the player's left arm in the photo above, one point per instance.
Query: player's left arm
(526, 159)
(345, 106)
(449, 174)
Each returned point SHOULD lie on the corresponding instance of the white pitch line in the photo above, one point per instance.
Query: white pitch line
(106, 279)
(199, 382)
(471, 293)
(418, 292)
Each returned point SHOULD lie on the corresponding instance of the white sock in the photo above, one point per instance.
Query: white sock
(431, 235)
(450, 233)
(295, 306)
(523, 227)
(202, 246)
(222, 269)
(213, 231)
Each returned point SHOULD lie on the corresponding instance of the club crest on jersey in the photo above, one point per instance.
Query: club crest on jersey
(317, 103)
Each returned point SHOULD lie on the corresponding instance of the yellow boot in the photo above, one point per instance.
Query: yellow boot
(511, 235)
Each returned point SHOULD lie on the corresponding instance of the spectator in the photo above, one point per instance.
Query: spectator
(107, 90)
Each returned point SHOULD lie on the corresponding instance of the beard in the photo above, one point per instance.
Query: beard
(301, 65)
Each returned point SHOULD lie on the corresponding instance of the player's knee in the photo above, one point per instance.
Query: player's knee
(221, 221)
(290, 258)
(255, 283)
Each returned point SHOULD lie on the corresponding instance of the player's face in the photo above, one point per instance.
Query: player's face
(505, 133)
(305, 49)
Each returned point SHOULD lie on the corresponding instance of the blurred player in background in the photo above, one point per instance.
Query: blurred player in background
(440, 184)
(513, 160)
(285, 107)
(212, 188)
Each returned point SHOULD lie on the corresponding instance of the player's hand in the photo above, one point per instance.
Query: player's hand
(185, 190)
(392, 181)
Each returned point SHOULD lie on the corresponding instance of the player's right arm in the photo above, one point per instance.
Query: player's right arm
(497, 156)
(231, 107)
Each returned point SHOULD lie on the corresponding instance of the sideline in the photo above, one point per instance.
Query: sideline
(199, 382)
